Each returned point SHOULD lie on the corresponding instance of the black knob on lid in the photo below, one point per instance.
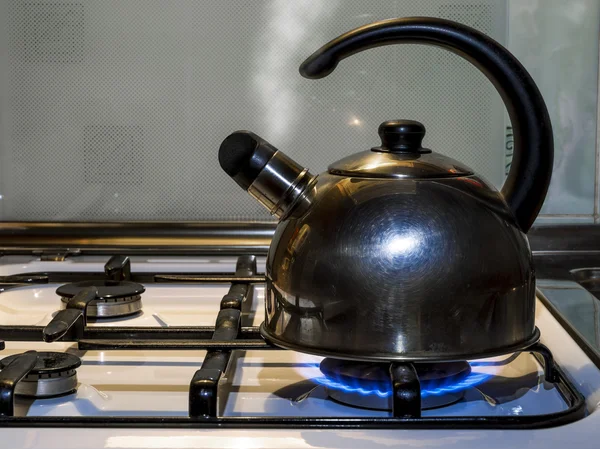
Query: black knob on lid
(401, 136)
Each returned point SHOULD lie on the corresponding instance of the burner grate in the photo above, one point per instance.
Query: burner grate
(220, 341)
(204, 385)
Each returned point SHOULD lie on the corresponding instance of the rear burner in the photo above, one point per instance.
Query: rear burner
(368, 385)
(54, 374)
(114, 298)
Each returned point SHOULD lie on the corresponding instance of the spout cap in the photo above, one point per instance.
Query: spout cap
(243, 155)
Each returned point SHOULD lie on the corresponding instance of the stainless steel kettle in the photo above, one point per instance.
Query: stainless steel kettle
(397, 252)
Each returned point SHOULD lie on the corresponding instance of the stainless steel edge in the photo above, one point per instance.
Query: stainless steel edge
(47, 387)
(564, 239)
(138, 237)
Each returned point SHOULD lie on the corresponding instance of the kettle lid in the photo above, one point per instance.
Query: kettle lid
(400, 155)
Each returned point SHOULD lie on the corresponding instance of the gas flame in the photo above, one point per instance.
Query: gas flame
(384, 389)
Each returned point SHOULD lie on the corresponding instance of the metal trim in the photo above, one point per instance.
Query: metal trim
(564, 239)
(47, 387)
(137, 237)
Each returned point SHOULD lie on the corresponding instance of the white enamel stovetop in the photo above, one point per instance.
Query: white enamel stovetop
(155, 383)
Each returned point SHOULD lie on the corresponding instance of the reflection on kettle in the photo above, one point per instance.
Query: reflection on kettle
(402, 244)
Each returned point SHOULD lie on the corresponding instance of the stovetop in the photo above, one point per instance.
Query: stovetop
(143, 382)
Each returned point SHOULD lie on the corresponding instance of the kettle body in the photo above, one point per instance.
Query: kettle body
(398, 252)
(400, 270)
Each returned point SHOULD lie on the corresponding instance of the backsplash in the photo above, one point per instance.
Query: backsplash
(557, 41)
(114, 110)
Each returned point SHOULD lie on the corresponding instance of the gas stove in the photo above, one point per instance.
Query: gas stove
(163, 351)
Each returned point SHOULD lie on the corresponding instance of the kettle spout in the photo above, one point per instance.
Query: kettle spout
(275, 180)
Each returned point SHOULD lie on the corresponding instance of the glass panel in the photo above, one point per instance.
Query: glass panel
(115, 110)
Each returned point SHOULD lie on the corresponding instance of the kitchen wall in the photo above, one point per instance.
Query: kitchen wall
(557, 41)
(114, 110)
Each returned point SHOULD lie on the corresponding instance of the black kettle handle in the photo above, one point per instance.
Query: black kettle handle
(531, 169)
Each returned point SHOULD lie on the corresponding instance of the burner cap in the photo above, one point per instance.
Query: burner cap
(107, 289)
(53, 375)
(48, 362)
(368, 385)
(115, 298)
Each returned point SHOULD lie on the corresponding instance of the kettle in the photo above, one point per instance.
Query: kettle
(398, 252)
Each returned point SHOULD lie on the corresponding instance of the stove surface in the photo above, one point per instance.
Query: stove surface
(259, 383)
(164, 305)
(263, 383)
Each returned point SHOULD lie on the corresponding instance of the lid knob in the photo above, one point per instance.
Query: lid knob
(401, 136)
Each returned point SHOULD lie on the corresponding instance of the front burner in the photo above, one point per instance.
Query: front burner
(114, 298)
(53, 375)
(368, 385)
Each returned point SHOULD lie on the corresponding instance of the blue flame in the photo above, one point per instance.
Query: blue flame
(428, 388)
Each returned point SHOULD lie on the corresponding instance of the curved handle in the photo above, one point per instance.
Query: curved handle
(531, 169)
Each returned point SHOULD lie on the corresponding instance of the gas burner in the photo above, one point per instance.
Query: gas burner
(114, 298)
(54, 374)
(117, 295)
(368, 385)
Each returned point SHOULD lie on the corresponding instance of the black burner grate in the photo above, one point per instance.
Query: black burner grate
(220, 341)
